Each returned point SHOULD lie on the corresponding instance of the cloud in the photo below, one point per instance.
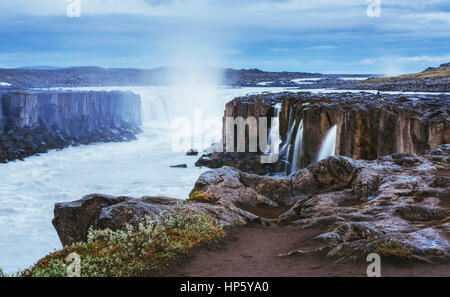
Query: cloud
(322, 47)
(230, 32)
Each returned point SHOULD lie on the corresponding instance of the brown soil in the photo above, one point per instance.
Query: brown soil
(263, 211)
(254, 251)
(350, 202)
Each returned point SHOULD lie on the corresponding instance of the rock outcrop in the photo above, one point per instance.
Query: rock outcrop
(397, 205)
(72, 220)
(33, 123)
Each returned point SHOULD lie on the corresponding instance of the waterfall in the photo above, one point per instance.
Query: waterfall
(297, 148)
(329, 145)
(286, 147)
(153, 108)
(274, 140)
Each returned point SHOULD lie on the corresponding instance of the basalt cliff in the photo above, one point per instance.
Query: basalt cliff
(367, 126)
(35, 122)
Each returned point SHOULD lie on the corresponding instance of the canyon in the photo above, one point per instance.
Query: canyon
(384, 189)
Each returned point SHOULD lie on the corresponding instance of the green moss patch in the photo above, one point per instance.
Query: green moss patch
(393, 249)
(202, 197)
(148, 249)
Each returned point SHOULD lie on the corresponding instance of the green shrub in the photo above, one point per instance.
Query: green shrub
(145, 250)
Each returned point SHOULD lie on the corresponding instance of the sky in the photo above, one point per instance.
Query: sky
(328, 36)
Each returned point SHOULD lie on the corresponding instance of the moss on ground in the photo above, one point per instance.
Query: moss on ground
(148, 249)
(202, 197)
(393, 249)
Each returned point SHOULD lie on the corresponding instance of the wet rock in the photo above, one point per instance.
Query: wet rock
(179, 166)
(192, 152)
(248, 162)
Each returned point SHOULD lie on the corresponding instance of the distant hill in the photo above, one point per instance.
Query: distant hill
(39, 67)
(431, 79)
(442, 71)
(48, 76)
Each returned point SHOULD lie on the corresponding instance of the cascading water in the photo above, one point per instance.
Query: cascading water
(286, 147)
(297, 148)
(329, 144)
(274, 140)
(153, 108)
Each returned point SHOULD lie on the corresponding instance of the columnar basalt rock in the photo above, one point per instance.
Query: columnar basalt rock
(36, 122)
(368, 125)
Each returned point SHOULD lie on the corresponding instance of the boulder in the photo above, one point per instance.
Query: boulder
(72, 220)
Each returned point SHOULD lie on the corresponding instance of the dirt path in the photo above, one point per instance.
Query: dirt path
(253, 251)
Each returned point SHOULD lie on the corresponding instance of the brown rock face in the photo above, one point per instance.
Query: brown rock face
(368, 125)
(371, 127)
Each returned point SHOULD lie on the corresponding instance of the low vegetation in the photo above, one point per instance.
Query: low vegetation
(393, 249)
(145, 250)
(427, 74)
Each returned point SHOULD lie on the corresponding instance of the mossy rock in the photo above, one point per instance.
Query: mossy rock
(393, 249)
(203, 197)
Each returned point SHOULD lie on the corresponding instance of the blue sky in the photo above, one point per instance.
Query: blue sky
(327, 36)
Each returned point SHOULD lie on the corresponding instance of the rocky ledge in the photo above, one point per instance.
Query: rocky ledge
(397, 205)
(36, 122)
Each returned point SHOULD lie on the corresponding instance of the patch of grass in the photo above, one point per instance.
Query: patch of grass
(202, 197)
(2, 273)
(393, 249)
(145, 250)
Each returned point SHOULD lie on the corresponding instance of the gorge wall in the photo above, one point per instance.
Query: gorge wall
(35, 122)
(367, 125)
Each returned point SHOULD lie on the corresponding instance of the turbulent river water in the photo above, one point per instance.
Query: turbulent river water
(29, 189)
